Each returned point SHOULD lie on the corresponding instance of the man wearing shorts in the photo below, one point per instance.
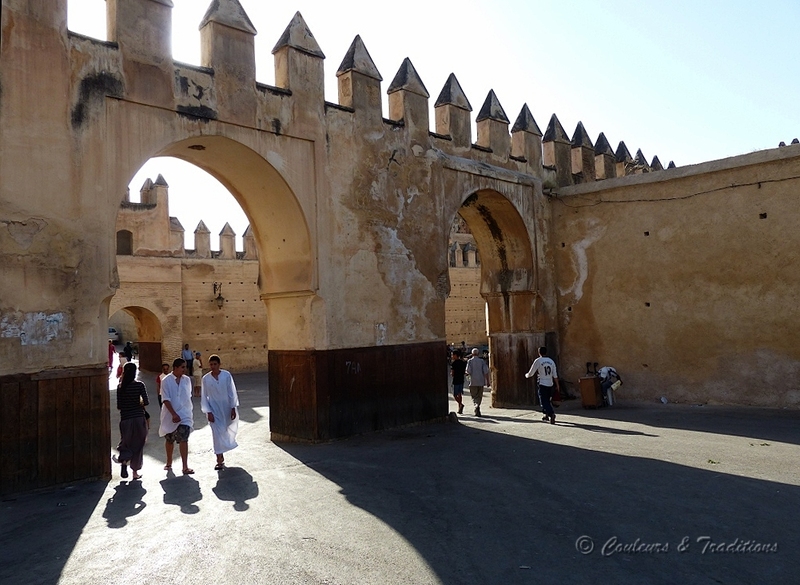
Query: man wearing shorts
(457, 369)
(177, 418)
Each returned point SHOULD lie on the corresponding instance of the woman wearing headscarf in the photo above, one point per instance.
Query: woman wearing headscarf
(131, 403)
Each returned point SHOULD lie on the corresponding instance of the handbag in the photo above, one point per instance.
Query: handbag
(615, 386)
(555, 399)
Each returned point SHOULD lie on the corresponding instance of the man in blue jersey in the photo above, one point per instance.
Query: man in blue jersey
(547, 378)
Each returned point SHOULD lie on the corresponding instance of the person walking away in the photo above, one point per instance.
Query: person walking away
(177, 419)
(219, 401)
(457, 370)
(478, 372)
(197, 373)
(128, 351)
(544, 369)
(131, 400)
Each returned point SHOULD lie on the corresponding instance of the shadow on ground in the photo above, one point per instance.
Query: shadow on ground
(725, 420)
(488, 507)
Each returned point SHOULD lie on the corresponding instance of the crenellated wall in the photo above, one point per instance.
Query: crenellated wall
(168, 296)
(350, 213)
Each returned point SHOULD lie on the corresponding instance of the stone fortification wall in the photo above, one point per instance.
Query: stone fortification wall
(683, 280)
(351, 213)
(238, 330)
(170, 294)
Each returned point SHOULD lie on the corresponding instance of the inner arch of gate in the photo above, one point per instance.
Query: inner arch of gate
(276, 217)
(508, 285)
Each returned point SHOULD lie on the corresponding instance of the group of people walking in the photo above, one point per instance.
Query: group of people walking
(477, 371)
(218, 400)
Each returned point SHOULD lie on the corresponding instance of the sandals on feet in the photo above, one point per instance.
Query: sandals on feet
(188, 471)
(167, 467)
(219, 466)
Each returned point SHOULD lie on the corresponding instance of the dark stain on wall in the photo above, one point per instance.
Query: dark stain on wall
(197, 112)
(91, 92)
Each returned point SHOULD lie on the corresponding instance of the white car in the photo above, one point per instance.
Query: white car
(113, 334)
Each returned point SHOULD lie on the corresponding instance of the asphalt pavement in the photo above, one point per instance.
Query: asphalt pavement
(638, 493)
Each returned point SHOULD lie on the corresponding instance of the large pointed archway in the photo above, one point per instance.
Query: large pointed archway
(508, 283)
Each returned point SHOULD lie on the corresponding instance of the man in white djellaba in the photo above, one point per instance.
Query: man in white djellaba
(218, 399)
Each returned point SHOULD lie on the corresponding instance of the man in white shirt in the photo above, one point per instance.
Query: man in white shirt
(546, 377)
(177, 419)
(218, 399)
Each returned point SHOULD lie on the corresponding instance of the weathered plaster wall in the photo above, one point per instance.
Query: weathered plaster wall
(684, 280)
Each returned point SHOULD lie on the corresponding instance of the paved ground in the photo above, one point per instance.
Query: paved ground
(501, 499)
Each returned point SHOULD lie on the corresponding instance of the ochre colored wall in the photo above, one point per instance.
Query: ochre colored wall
(685, 280)
(465, 309)
(237, 331)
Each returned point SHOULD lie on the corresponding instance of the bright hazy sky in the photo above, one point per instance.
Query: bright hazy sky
(687, 80)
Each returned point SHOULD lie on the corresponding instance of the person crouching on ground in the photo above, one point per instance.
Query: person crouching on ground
(219, 401)
(546, 376)
(131, 400)
(457, 369)
(177, 419)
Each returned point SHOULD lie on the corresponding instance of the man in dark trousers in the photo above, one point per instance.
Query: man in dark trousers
(544, 369)
(457, 369)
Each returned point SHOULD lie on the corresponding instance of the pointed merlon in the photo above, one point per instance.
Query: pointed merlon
(148, 184)
(408, 79)
(202, 228)
(671, 165)
(298, 36)
(581, 137)
(231, 14)
(160, 181)
(640, 159)
(623, 154)
(175, 225)
(555, 131)
(453, 95)
(359, 60)
(602, 146)
(656, 164)
(525, 122)
(248, 232)
(492, 110)
(227, 230)
(795, 141)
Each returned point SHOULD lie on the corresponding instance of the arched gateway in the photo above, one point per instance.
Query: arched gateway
(350, 211)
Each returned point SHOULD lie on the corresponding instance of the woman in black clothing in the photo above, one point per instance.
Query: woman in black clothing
(131, 400)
